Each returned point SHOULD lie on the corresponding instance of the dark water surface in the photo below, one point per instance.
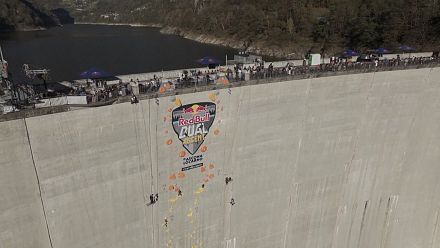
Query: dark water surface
(72, 49)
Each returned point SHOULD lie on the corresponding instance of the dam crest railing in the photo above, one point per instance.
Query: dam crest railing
(248, 77)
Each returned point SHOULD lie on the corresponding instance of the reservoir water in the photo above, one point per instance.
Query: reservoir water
(67, 51)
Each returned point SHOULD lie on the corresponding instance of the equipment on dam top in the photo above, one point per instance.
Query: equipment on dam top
(3, 66)
(42, 74)
(246, 58)
(16, 96)
(365, 58)
(6, 87)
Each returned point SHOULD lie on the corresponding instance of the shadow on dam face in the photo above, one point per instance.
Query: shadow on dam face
(344, 161)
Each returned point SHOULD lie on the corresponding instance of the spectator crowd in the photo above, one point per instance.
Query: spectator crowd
(103, 91)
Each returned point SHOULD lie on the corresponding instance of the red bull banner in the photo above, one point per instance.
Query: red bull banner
(192, 122)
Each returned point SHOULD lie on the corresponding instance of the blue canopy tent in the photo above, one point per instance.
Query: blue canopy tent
(382, 50)
(406, 48)
(349, 53)
(94, 73)
(207, 61)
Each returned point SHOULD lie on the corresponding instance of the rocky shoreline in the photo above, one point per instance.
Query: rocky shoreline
(151, 25)
(23, 29)
(260, 49)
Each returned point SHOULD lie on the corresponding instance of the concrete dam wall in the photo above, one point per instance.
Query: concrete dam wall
(335, 162)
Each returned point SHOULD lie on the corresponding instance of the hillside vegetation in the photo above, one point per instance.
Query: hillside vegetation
(289, 25)
(23, 15)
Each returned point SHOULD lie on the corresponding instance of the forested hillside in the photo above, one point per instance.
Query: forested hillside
(23, 15)
(289, 24)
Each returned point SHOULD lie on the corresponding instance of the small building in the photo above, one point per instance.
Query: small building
(245, 58)
(314, 59)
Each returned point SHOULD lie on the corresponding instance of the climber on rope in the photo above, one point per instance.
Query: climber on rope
(154, 198)
(134, 99)
(228, 180)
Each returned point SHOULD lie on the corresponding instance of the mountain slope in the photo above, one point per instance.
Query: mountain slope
(23, 15)
(292, 26)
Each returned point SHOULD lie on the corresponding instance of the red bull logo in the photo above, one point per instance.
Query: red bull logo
(201, 108)
(188, 111)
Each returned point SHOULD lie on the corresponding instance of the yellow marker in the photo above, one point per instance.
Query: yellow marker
(212, 97)
(173, 200)
(178, 102)
(170, 243)
(199, 191)
(190, 214)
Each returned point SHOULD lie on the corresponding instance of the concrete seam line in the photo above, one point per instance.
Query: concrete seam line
(137, 134)
(38, 182)
(300, 140)
(147, 139)
(151, 171)
(156, 181)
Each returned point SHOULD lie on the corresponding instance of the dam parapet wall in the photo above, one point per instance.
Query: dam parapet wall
(220, 80)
